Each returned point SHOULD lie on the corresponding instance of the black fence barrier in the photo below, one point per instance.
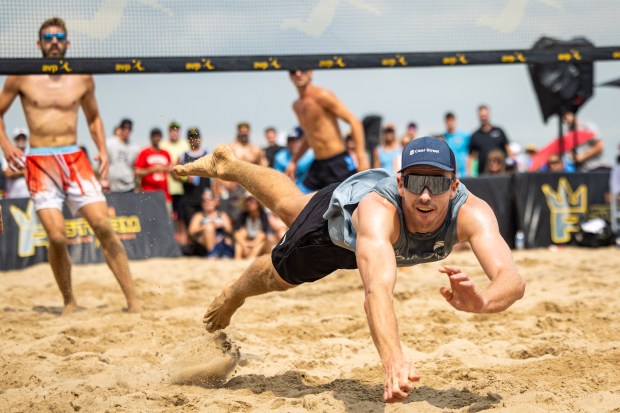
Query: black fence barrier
(140, 220)
(546, 206)
(496, 191)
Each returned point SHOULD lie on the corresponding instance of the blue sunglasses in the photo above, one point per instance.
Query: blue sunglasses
(48, 37)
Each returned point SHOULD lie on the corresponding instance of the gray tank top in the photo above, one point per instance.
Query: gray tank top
(410, 248)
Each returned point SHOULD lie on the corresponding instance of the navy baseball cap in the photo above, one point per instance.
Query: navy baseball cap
(295, 134)
(428, 151)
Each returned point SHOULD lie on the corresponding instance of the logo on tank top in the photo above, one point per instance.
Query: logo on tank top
(440, 250)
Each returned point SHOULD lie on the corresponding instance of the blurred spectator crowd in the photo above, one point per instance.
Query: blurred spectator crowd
(219, 219)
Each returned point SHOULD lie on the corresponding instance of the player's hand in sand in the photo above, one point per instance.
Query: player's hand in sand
(463, 294)
(399, 379)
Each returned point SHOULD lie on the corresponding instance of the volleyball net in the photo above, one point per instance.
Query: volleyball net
(132, 36)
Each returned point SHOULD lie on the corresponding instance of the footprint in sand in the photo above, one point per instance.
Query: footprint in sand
(206, 361)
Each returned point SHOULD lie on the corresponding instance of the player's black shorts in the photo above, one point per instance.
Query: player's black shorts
(328, 171)
(306, 253)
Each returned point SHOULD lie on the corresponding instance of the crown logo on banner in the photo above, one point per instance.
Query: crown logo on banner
(567, 207)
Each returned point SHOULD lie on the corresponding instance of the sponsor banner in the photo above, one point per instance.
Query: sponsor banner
(140, 220)
(551, 205)
(337, 61)
(546, 206)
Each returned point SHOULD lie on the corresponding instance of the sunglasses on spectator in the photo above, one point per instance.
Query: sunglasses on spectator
(435, 184)
(48, 37)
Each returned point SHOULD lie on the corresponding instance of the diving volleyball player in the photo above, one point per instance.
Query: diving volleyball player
(376, 223)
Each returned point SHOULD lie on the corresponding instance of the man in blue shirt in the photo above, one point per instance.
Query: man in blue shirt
(458, 141)
(283, 157)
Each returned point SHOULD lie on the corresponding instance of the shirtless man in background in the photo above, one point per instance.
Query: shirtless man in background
(246, 150)
(56, 168)
(318, 111)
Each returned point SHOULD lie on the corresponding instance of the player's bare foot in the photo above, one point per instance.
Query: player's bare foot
(134, 308)
(212, 165)
(220, 311)
(69, 308)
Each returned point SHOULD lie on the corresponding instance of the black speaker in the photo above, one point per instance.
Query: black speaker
(562, 86)
(372, 130)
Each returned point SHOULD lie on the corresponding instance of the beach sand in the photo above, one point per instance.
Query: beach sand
(309, 349)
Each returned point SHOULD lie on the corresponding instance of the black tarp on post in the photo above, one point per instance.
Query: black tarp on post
(565, 85)
(140, 220)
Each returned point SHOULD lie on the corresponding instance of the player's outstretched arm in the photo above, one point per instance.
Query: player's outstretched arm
(374, 223)
(478, 225)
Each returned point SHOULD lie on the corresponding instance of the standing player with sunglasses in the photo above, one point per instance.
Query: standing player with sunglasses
(374, 222)
(56, 168)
